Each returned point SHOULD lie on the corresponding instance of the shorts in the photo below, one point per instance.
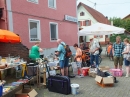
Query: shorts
(79, 64)
(66, 62)
(126, 62)
(62, 63)
(118, 60)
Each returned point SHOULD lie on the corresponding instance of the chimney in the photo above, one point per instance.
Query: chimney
(112, 23)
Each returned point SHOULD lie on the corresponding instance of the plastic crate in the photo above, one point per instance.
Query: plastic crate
(116, 72)
(85, 71)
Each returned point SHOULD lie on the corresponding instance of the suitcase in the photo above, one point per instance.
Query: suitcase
(59, 84)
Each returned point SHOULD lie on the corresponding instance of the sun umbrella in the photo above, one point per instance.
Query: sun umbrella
(8, 36)
(100, 29)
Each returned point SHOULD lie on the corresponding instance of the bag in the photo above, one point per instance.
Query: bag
(128, 56)
(84, 56)
(68, 54)
(100, 73)
(59, 84)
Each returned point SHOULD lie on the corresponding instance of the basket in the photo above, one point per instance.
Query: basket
(116, 72)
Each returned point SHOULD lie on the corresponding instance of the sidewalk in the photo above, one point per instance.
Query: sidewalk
(89, 88)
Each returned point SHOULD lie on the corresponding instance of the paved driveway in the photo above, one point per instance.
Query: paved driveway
(89, 88)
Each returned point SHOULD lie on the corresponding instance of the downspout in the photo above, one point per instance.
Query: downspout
(6, 20)
(77, 22)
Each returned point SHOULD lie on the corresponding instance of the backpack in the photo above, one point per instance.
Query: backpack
(68, 53)
(84, 56)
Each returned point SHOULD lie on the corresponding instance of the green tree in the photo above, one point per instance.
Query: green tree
(118, 22)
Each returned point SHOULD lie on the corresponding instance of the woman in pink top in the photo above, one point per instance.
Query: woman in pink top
(78, 58)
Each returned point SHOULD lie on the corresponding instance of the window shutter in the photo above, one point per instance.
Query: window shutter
(81, 23)
(84, 23)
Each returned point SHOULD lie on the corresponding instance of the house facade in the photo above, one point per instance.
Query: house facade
(126, 17)
(42, 20)
(88, 16)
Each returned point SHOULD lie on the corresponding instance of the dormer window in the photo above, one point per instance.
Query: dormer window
(82, 14)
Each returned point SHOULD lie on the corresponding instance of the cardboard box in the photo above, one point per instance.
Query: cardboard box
(106, 68)
(26, 93)
(104, 80)
(92, 74)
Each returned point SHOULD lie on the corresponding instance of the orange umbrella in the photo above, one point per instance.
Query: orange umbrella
(8, 36)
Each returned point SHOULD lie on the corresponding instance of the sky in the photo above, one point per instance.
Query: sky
(110, 8)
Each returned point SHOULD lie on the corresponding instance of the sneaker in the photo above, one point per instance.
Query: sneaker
(127, 75)
(81, 75)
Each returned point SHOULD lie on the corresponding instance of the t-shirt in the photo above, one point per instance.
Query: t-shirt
(34, 52)
(61, 51)
(79, 53)
(94, 45)
(118, 49)
(109, 48)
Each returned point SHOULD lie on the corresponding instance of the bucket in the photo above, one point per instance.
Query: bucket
(75, 89)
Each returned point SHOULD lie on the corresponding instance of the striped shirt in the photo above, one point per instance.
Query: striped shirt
(118, 49)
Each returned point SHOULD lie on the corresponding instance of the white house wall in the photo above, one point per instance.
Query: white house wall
(88, 16)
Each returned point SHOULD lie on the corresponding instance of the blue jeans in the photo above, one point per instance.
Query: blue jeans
(94, 58)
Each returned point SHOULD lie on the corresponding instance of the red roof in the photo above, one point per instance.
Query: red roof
(96, 15)
(128, 16)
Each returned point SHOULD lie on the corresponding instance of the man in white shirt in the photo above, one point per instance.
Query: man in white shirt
(94, 52)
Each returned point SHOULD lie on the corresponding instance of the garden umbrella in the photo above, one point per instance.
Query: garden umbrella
(100, 29)
(8, 36)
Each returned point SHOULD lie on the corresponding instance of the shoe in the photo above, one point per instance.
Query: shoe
(81, 75)
(126, 76)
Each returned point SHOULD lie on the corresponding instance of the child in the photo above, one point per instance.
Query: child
(109, 50)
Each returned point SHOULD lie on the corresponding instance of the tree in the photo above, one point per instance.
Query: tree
(118, 22)
(123, 36)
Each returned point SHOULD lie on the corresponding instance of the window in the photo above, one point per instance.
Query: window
(34, 30)
(53, 31)
(98, 36)
(87, 23)
(52, 3)
(79, 23)
(33, 1)
(82, 14)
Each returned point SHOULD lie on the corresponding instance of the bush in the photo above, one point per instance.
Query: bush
(113, 37)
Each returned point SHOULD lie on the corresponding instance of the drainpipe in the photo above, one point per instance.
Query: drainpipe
(77, 22)
(6, 21)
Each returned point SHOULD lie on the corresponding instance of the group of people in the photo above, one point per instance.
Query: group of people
(118, 51)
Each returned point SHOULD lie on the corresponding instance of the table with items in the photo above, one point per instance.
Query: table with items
(19, 66)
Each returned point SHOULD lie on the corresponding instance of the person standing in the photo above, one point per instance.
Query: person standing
(78, 58)
(109, 50)
(35, 51)
(125, 52)
(118, 47)
(94, 52)
(61, 54)
(67, 56)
